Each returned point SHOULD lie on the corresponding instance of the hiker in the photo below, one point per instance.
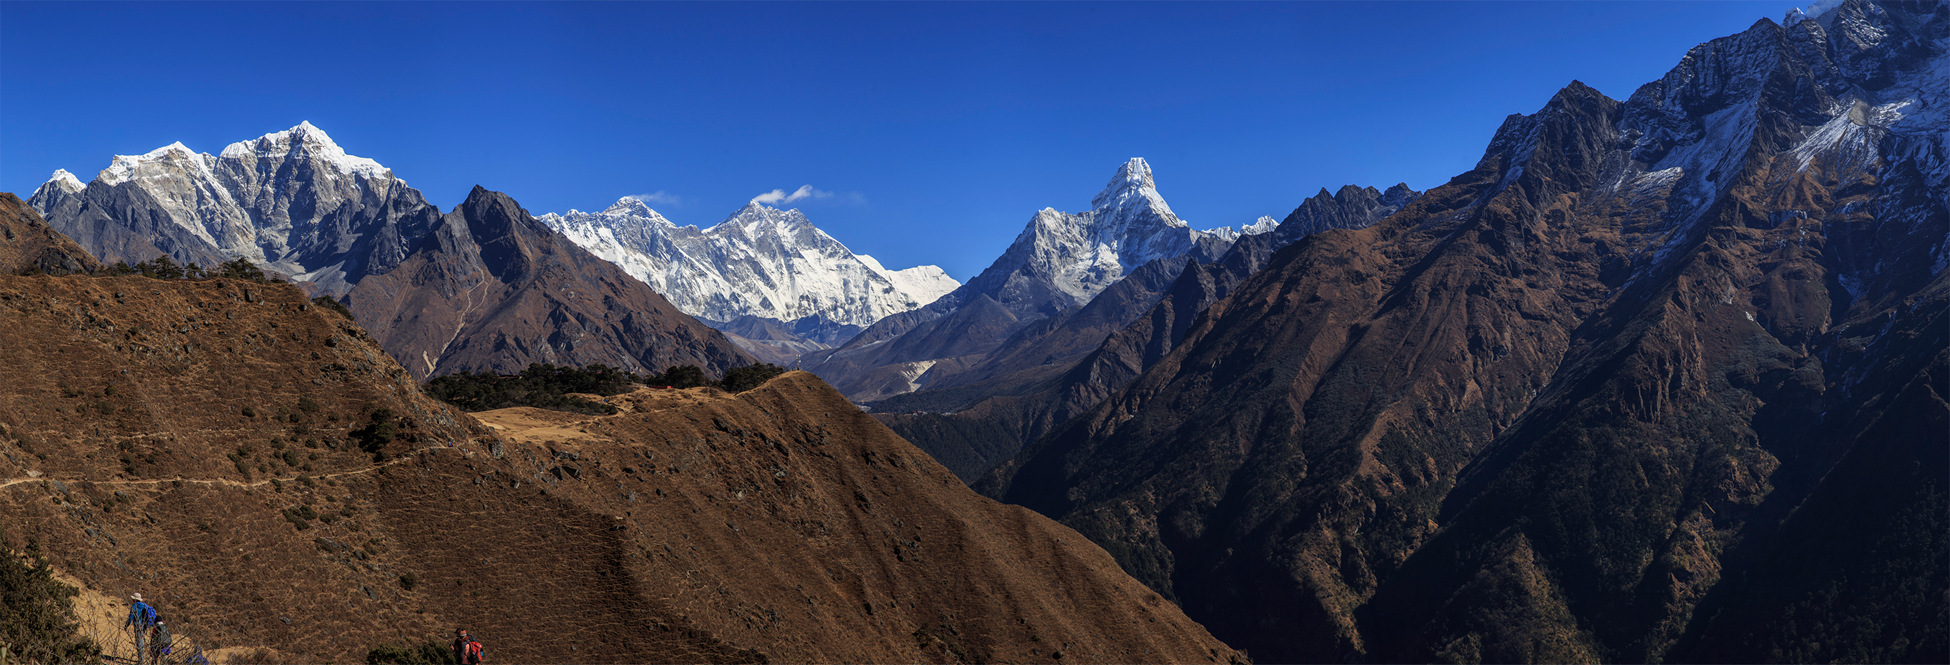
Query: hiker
(141, 618)
(159, 642)
(466, 650)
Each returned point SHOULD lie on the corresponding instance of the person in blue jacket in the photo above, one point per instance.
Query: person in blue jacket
(142, 617)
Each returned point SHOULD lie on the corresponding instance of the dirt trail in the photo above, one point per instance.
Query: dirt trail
(10, 482)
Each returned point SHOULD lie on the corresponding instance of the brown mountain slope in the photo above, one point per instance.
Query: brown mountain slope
(786, 520)
(28, 243)
(206, 443)
(491, 290)
(1593, 400)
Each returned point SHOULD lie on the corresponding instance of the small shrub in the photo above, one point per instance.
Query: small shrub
(327, 303)
(741, 379)
(427, 653)
(408, 580)
(380, 430)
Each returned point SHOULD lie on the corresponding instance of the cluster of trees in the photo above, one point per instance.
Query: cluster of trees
(548, 386)
(162, 267)
(37, 616)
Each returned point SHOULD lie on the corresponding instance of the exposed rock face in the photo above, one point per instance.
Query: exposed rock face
(1058, 264)
(1600, 398)
(27, 243)
(761, 262)
(293, 202)
(1052, 373)
(493, 290)
(204, 443)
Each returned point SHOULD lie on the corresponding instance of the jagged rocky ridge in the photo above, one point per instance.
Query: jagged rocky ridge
(485, 288)
(761, 262)
(1659, 380)
(1057, 265)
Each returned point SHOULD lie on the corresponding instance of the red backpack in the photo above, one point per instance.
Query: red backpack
(474, 651)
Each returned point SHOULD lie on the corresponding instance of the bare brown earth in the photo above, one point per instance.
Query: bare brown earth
(195, 441)
(28, 243)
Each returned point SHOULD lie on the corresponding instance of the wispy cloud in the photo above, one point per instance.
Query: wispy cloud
(804, 192)
(660, 197)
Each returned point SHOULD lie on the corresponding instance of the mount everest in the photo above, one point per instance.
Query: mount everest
(760, 262)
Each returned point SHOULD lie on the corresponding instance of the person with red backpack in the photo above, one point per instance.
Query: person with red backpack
(466, 650)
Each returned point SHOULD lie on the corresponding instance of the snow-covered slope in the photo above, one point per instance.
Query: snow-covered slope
(1265, 224)
(1128, 225)
(293, 201)
(925, 284)
(1062, 260)
(762, 261)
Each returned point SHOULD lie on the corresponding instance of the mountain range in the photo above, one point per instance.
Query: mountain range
(1056, 266)
(283, 491)
(760, 268)
(1660, 379)
(485, 288)
(1052, 372)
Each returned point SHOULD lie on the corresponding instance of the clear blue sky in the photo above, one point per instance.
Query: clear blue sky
(940, 128)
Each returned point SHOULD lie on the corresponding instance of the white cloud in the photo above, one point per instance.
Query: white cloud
(660, 197)
(804, 192)
(778, 196)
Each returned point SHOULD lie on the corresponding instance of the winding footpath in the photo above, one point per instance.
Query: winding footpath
(409, 456)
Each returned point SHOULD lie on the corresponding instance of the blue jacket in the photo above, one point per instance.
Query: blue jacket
(140, 615)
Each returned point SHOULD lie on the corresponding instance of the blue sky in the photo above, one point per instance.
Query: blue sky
(938, 128)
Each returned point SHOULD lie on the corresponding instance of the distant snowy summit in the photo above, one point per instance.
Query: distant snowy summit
(761, 261)
(1062, 260)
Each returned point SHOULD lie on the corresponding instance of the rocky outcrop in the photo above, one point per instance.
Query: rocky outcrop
(28, 244)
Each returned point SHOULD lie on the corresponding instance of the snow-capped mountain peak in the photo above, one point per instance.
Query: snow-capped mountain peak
(61, 181)
(59, 187)
(630, 205)
(1133, 188)
(306, 139)
(1079, 255)
(66, 180)
(291, 200)
(124, 167)
(760, 261)
(1264, 224)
